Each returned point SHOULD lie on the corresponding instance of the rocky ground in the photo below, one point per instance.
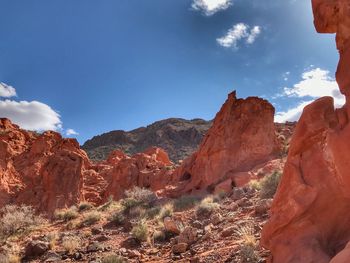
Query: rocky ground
(140, 228)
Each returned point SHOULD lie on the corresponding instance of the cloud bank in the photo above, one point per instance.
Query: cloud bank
(210, 7)
(29, 115)
(239, 32)
(314, 84)
(7, 91)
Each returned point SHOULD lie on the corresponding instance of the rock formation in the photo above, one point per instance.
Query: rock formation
(49, 172)
(310, 213)
(242, 136)
(147, 170)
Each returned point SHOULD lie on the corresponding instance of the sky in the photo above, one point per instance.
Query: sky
(85, 67)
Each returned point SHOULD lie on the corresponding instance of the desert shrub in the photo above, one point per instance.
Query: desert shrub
(106, 205)
(159, 236)
(206, 207)
(10, 258)
(129, 203)
(185, 202)
(249, 245)
(91, 218)
(83, 206)
(255, 184)
(66, 214)
(113, 258)
(142, 195)
(269, 185)
(16, 219)
(71, 243)
(166, 210)
(118, 218)
(152, 212)
(140, 232)
(51, 238)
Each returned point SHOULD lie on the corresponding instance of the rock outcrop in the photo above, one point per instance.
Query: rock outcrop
(242, 137)
(43, 170)
(49, 172)
(310, 213)
(150, 169)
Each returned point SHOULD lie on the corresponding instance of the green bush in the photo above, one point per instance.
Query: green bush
(118, 218)
(91, 218)
(129, 203)
(206, 207)
(185, 202)
(166, 211)
(18, 219)
(83, 206)
(113, 258)
(66, 214)
(269, 185)
(140, 232)
(141, 195)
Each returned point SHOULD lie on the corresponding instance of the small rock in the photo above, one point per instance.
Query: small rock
(179, 248)
(188, 235)
(228, 231)
(263, 206)
(102, 238)
(94, 246)
(197, 224)
(216, 219)
(77, 256)
(171, 225)
(52, 256)
(244, 202)
(194, 260)
(36, 249)
(237, 193)
(134, 254)
(97, 230)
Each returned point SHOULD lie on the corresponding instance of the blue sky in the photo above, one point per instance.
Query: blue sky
(88, 67)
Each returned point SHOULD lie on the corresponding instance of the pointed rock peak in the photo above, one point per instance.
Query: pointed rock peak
(6, 124)
(232, 96)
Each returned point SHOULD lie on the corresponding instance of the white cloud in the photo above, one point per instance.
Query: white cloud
(237, 33)
(7, 91)
(292, 114)
(254, 33)
(210, 7)
(32, 115)
(315, 83)
(70, 132)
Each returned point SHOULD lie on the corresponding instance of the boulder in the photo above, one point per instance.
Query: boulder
(35, 249)
(171, 225)
(179, 248)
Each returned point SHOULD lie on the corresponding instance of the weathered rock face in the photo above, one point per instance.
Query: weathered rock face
(242, 136)
(50, 172)
(147, 170)
(44, 170)
(310, 213)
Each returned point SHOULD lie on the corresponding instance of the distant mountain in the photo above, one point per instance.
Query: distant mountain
(179, 137)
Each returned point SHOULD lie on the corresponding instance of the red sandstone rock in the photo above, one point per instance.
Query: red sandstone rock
(49, 172)
(311, 211)
(142, 169)
(242, 136)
